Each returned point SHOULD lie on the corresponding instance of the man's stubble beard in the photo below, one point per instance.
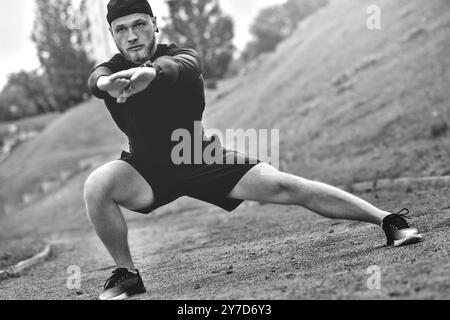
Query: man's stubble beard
(148, 53)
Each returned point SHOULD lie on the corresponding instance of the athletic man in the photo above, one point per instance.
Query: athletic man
(151, 91)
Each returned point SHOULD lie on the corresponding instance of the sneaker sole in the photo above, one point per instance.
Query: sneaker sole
(408, 240)
(126, 295)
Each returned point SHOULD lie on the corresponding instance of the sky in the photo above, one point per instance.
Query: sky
(16, 23)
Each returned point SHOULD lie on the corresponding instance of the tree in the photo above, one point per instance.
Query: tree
(25, 94)
(35, 90)
(270, 27)
(275, 23)
(60, 51)
(201, 24)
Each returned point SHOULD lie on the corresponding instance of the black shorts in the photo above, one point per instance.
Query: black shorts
(211, 183)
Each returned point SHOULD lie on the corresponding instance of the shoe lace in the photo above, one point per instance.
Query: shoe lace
(398, 219)
(118, 275)
(404, 215)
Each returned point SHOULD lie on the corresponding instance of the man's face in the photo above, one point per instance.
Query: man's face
(134, 36)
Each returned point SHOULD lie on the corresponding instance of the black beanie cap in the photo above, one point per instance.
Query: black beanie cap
(121, 8)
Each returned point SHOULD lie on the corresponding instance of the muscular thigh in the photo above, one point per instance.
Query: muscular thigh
(124, 185)
(263, 183)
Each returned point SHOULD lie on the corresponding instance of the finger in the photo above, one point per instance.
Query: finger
(129, 92)
(121, 100)
(122, 74)
(121, 80)
(126, 94)
(136, 75)
(122, 83)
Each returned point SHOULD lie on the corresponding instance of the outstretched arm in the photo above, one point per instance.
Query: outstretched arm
(138, 80)
(101, 82)
(181, 65)
(178, 66)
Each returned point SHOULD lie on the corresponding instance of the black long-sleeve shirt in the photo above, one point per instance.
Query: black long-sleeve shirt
(174, 101)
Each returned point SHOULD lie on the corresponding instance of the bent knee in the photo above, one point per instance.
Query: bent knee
(120, 183)
(97, 187)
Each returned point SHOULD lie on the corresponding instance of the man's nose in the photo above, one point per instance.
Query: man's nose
(132, 37)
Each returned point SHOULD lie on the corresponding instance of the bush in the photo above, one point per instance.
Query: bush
(439, 129)
(276, 23)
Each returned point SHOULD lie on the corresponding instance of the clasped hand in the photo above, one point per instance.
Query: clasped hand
(124, 84)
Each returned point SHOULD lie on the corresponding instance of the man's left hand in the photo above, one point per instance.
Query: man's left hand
(140, 79)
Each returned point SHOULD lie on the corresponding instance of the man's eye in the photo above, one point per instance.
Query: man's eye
(120, 30)
(140, 25)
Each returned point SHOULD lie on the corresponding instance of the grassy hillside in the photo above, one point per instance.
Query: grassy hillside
(84, 132)
(353, 104)
(37, 123)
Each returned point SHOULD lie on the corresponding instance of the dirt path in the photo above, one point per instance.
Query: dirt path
(259, 252)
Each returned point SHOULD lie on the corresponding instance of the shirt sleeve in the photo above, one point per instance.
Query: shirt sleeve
(178, 66)
(104, 69)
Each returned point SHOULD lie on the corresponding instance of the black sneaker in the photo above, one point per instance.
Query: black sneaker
(397, 230)
(122, 285)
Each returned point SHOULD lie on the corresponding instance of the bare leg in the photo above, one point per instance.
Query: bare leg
(114, 184)
(266, 184)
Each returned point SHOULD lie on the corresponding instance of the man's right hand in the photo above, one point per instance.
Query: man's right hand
(114, 87)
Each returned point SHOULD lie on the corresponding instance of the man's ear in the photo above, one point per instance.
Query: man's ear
(155, 24)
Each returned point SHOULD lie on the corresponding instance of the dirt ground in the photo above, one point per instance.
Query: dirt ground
(258, 252)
